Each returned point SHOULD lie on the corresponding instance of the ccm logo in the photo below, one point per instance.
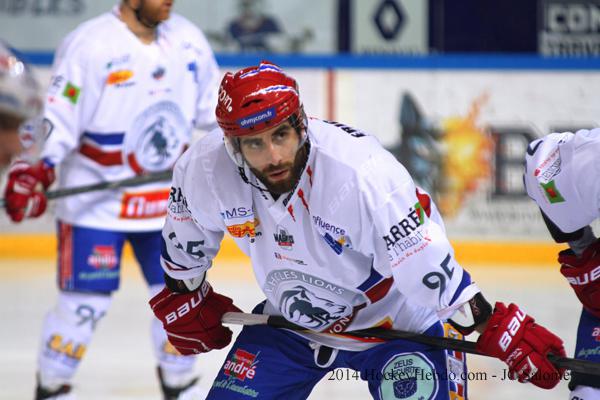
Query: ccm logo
(184, 308)
(585, 278)
(513, 327)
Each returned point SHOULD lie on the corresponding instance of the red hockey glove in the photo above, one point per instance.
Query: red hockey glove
(583, 274)
(22, 195)
(193, 320)
(515, 338)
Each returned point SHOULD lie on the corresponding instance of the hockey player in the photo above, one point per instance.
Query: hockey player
(340, 239)
(19, 101)
(128, 87)
(561, 176)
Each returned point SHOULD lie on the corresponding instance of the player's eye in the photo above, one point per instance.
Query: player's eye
(252, 144)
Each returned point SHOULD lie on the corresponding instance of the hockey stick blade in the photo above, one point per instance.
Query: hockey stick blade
(129, 182)
(276, 321)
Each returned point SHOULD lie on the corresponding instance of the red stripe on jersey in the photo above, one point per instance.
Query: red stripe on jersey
(304, 203)
(310, 174)
(65, 256)
(101, 157)
(378, 291)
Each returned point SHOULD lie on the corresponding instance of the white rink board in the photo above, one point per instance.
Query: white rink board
(369, 99)
(120, 366)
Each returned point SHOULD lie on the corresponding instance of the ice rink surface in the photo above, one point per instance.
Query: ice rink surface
(119, 364)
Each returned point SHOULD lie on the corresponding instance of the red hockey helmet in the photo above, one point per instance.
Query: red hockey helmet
(256, 99)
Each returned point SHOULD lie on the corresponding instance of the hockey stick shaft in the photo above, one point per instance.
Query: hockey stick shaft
(129, 182)
(276, 321)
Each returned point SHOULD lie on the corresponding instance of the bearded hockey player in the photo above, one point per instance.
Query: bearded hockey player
(340, 239)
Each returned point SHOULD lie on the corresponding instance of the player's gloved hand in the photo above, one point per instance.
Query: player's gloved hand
(23, 195)
(193, 320)
(583, 274)
(515, 338)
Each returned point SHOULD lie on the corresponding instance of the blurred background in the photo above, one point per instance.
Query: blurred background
(455, 89)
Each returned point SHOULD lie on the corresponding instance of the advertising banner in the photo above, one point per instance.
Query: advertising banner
(230, 25)
(569, 27)
(463, 135)
(390, 27)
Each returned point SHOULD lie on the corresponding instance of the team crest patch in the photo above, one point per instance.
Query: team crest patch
(408, 376)
(156, 139)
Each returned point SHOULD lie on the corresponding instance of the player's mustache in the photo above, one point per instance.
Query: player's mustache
(273, 168)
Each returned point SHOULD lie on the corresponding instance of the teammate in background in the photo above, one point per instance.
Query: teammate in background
(128, 87)
(19, 101)
(340, 239)
(562, 177)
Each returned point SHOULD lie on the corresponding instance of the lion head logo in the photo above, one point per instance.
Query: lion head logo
(303, 307)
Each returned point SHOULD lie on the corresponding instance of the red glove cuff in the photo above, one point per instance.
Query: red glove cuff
(583, 274)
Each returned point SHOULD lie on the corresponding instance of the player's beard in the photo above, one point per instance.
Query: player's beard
(152, 17)
(295, 168)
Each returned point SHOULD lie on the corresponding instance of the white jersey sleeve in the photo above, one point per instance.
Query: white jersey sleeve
(410, 240)
(188, 247)
(72, 96)
(561, 177)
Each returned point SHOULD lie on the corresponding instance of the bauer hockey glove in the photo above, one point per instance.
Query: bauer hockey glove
(24, 198)
(515, 338)
(583, 274)
(193, 320)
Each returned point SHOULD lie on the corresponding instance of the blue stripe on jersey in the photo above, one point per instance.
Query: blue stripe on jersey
(105, 138)
(466, 281)
(371, 280)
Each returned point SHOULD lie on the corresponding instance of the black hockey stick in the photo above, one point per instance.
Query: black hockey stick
(276, 321)
(129, 182)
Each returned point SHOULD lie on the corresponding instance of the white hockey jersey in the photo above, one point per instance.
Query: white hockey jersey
(354, 246)
(117, 108)
(561, 176)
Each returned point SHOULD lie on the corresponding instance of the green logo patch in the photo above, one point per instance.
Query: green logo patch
(552, 192)
(71, 92)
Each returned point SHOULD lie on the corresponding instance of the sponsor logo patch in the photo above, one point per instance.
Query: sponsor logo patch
(408, 376)
(144, 205)
(283, 238)
(103, 257)
(257, 118)
(237, 212)
(67, 348)
(248, 228)
(280, 256)
(552, 193)
(71, 92)
(241, 365)
(406, 226)
(118, 78)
